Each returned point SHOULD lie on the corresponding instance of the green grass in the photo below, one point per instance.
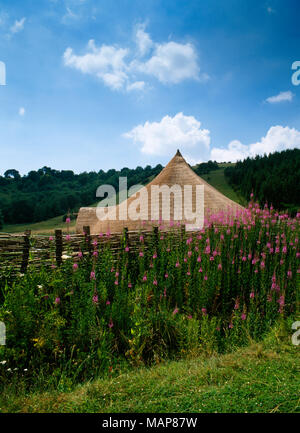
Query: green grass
(43, 227)
(259, 378)
(217, 179)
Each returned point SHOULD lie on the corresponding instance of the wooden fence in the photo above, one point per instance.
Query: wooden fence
(17, 251)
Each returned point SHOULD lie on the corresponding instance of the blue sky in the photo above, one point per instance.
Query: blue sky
(105, 84)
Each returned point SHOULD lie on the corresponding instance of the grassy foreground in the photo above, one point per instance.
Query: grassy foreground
(263, 377)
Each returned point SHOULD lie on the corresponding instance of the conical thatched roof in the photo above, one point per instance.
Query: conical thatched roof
(178, 173)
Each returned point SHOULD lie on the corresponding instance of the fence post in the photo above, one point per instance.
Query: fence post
(182, 231)
(26, 248)
(58, 247)
(87, 234)
(126, 237)
(155, 235)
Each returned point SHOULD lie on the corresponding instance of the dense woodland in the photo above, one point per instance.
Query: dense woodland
(273, 178)
(47, 193)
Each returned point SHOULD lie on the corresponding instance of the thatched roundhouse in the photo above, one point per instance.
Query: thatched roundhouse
(149, 202)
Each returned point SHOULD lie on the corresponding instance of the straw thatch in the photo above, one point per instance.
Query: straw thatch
(177, 172)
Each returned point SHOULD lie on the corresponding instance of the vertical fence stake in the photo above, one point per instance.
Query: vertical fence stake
(26, 248)
(126, 237)
(182, 231)
(58, 247)
(155, 235)
(87, 234)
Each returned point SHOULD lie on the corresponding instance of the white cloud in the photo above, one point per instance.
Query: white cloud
(18, 25)
(105, 62)
(171, 63)
(69, 13)
(164, 137)
(278, 138)
(235, 151)
(143, 40)
(137, 85)
(120, 68)
(21, 111)
(282, 96)
(192, 161)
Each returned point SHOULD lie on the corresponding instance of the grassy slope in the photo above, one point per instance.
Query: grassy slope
(215, 178)
(43, 227)
(260, 378)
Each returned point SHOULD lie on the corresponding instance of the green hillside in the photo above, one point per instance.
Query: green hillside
(217, 179)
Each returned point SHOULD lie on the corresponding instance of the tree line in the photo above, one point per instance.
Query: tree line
(273, 178)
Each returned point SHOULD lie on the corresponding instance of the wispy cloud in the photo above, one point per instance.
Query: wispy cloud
(18, 26)
(270, 10)
(3, 18)
(281, 97)
(169, 62)
(105, 62)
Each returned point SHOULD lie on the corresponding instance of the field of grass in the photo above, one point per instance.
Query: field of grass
(43, 227)
(263, 377)
(217, 179)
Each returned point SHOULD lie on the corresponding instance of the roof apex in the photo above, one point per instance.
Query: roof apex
(178, 153)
